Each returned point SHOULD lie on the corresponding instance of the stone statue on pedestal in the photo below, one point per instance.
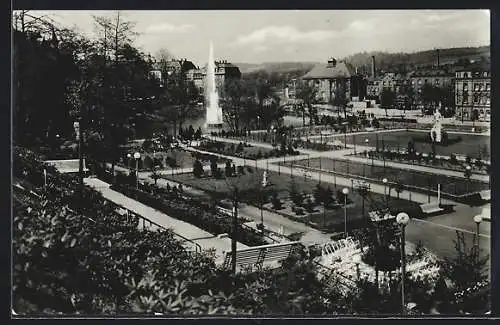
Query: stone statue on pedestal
(436, 130)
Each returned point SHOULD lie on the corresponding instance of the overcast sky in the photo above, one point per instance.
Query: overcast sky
(269, 36)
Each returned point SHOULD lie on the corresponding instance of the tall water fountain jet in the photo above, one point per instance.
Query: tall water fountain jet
(214, 111)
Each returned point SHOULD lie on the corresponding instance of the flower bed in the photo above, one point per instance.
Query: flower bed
(244, 150)
(422, 159)
(189, 210)
(414, 180)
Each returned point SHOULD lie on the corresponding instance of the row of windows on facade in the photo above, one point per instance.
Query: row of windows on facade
(483, 74)
(481, 100)
(477, 87)
(481, 113)
(420, 81)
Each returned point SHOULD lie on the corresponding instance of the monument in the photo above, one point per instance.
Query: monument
(436, 130)
(214, 111)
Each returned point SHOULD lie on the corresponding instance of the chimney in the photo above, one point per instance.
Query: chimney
(331, 63)
(437, 53)
(373, 66)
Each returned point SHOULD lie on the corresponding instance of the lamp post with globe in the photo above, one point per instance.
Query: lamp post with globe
(137, 156)
(477, 219)
(385, 192)
(345, 191)
(129, 157)
(402, 219)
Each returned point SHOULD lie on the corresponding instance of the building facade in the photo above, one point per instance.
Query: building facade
(434, 77)
(224, 71)
(334, 79)
(473, 93)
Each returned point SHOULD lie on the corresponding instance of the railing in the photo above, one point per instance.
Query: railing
(260, 233)
(150, 223)
(328, 272)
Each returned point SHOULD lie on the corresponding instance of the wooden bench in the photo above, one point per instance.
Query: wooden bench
(429, 208)
(256, 256)
(485, 195)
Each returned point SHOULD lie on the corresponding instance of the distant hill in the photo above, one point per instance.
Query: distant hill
(280, 73)
(408, 61)
(279, 67)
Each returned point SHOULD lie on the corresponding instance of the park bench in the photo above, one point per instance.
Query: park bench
(430, 208)
(485, 195)
(256, 256)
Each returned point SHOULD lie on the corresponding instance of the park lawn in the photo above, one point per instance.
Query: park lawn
(281, 183)
(450, 185)
(335, 217)
(473, 145)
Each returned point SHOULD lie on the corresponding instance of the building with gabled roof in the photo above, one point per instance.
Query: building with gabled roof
(332, 77)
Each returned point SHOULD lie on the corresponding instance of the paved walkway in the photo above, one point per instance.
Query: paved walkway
(274, 222)
(344, 154)
(418, 168)
(205, 239)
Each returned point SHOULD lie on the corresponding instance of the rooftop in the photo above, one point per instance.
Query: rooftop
(322, 71)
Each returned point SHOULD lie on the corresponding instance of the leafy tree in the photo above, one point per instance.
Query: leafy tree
(155, 175)
(213, 167)
(308, 94)
(318, 193)
(466, 270)
(387, 99)
(399, 187)
(363, 191)
(295, 194)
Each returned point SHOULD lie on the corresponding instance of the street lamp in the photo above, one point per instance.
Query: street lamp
(366, 143)
(467, 175)
(129, 156)
(385, 192)
(137, 156)
(78, 132)
(402, 219)
(345, 191)
(477, 219)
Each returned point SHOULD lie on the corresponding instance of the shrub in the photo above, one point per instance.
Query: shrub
(197, 169)
(228, 169)
(276, 202)
(309, 205)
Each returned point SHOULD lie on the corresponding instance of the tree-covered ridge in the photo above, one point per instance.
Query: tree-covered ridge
(408, 61)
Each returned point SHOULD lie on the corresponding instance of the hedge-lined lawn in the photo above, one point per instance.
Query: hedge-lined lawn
(451, 185)
(473, 145)
(179, 158)
(237, 150)
(281, 183)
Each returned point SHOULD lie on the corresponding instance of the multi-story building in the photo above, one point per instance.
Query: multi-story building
(224, 71)
(473, 93)
(434, 77)
(334, 79)
(163, 69)
(374, 88)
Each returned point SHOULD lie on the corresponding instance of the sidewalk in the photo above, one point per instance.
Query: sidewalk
(205, 239)
(274, 221)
